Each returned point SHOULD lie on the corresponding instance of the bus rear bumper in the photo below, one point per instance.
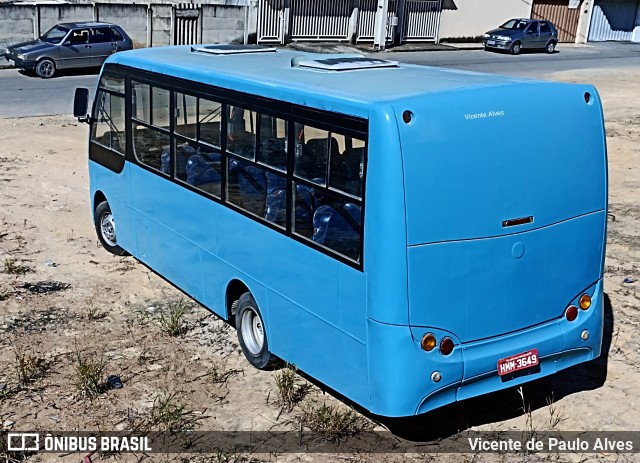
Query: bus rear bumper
(561, 345)
(402, 374)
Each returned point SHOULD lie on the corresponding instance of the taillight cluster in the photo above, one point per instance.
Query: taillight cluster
(572, 311)
(429, 342)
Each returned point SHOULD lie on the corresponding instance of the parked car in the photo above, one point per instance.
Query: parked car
(521, 34)
(69, 45)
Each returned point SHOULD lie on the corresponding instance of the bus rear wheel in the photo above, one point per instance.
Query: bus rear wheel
(252, 335)
(106, 229)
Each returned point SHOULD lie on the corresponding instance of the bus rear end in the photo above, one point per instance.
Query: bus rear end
(506, 208)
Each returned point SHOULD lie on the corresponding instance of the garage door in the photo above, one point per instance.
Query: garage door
(614, 20)
(558, 12)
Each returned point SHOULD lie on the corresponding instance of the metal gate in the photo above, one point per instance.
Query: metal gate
(186, 20)
(614, 20)
(558, 12)
(367, 19)
(271, 21)
(420, 20)
(314, 20)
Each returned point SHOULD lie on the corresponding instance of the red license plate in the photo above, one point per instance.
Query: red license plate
(518, 362)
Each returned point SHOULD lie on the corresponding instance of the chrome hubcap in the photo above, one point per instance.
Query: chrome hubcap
(252, 331)
(108, 229)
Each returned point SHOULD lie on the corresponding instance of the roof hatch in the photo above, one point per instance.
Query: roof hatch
(342, 63)
(232, 49)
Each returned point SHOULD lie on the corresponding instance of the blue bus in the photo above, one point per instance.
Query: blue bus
(409, 236)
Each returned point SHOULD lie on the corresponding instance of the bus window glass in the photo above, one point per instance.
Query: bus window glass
(113, 83)
(199, 166)
(241, 132)
(346, 165)
(273, 142)
(246, 186)
(312, 152)
(186, 115)
(108, 129)
(210, 118)
(151, 146)
(141, 101)
(160, 107)
(276, 199)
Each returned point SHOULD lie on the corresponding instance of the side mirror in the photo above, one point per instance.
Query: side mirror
(80, 104)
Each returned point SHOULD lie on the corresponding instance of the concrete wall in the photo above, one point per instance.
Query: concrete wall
(221, 24)
(472, 18)
(146, 24)
(132, 18)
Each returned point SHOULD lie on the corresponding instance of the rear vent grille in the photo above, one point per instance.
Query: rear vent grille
(231, 49)
(342, 63)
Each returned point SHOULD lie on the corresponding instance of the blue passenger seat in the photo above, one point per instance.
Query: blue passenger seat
(338, 228)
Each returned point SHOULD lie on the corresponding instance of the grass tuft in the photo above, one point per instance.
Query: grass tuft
(89, 373)
(169, 413)
(332, 423)
(29, 368)
(289, 392)
(172, 320)
(13, 267)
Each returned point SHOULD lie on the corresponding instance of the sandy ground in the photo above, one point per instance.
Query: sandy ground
(75, 299)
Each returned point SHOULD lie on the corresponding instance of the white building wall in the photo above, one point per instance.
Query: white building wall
(472, 18)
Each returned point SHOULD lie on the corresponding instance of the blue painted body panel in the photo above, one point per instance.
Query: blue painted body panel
(436, 257)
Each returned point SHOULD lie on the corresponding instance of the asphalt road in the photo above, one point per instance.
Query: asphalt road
(22, 95)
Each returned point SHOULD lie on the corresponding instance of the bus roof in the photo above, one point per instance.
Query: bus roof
(271, 74)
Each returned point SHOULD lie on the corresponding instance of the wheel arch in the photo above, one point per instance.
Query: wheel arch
(235, 289)
(98, 197)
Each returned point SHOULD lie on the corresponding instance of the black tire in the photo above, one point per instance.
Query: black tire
(46, 68)
(516, 48)
(252, 335)
(105, 228)
(551, 46)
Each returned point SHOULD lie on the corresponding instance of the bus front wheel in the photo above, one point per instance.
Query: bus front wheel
(106, 229)
(252, 335)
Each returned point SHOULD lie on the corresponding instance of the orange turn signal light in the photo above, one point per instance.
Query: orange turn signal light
(428, 342)
(585, 301)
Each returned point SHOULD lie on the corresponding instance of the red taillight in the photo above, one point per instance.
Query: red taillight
(446, 346)
(571, 313)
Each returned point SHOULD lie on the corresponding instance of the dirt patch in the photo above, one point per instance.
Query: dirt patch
(77, 305)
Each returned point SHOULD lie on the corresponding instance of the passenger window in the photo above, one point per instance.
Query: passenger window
(101, 35)
(141, 94)
(108, 130)
(186, 115)
(151, 146)
(545, 28)
(209, 118)
(79, 37)
(273, 142)
(337, 225)
(199, 166)
(247, 186)
(312, 153)
(116, 35)
(160, 107)
(532, 28)
(241, 132)
(347, 165)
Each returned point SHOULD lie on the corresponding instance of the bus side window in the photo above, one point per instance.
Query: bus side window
(241, 132)
(108, 129)
(311, 162)
(186, 115)
(210, 120)
(347, 165)
(151, 141)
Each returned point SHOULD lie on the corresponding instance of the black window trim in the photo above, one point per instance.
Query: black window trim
(348, 126)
